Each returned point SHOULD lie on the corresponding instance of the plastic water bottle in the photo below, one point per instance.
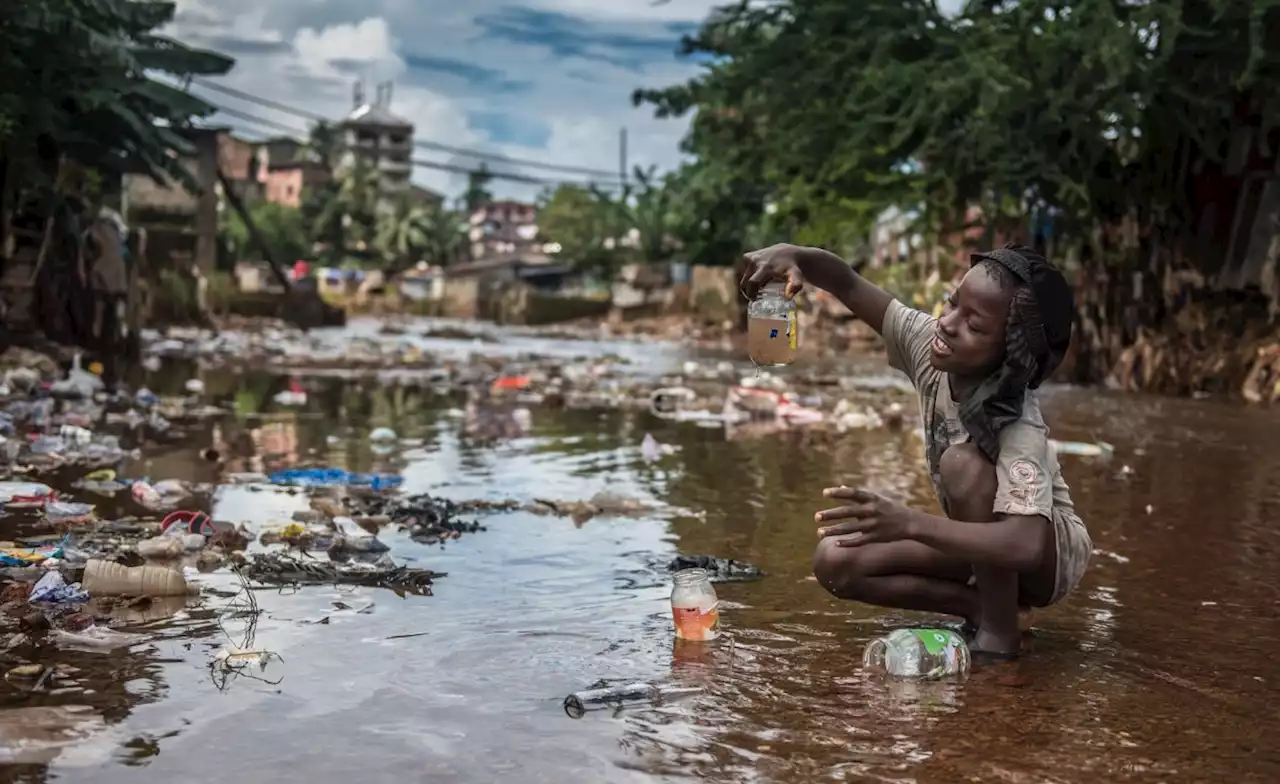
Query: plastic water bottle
(918, 653)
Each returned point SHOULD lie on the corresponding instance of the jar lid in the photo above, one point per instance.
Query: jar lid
(777, 287)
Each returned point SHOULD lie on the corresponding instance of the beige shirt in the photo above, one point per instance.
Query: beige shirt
(1029, 479)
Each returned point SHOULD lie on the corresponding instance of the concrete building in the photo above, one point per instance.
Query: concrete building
(372, 133)
(504, 227)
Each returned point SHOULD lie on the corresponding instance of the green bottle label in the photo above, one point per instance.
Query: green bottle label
(935, 641)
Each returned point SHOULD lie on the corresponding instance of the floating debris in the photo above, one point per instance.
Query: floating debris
(602, 696)
(428, 519)
(719, 570)
(282, 569)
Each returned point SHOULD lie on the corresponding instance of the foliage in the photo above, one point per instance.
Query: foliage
(1087, 110)
(586, 224)
(411, 232)
(646, 209)
(322, 211)
(86, 91)
(281, 227)
(477, 194)
(598, 232)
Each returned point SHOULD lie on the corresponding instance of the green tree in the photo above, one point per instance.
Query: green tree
(445, 232)
(647, 208)
(402, 235)
(477, 194)
(359, 200)
(322, 212)
(282, 228)
(1098, 115)
(587, 224)
(82, 88)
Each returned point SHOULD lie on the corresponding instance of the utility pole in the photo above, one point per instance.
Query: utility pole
(622, 155)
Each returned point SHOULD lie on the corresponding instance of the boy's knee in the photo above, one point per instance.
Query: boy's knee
(967, 475)
(840, 570)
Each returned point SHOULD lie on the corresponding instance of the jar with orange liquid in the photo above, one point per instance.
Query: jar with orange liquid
(694, 606)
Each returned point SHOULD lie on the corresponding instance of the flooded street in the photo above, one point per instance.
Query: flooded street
(1159, 668)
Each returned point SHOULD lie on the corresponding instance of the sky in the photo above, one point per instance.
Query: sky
(540, 80)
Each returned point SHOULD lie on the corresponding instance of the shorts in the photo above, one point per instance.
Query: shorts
(1074, 548)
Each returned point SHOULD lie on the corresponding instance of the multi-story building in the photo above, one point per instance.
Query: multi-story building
(382, 140)
(504, 227)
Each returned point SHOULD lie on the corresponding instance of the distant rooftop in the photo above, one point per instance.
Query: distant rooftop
(380, 116)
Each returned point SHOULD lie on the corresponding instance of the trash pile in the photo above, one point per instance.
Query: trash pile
(500, 388)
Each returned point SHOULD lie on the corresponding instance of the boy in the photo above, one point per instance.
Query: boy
(1011, 535)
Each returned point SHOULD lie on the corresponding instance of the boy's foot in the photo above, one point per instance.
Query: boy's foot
(980, 656)
(990, 647)
(1026, 617)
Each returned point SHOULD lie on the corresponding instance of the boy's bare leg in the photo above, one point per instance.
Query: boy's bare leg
(907, 575)
(969, 481)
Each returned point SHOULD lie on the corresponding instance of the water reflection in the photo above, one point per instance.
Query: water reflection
(1154, 670)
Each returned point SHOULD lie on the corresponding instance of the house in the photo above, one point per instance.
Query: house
(288, 183)
(493, 287)
(501, 228)
(182, 222)
(537, 270)
(423, 283)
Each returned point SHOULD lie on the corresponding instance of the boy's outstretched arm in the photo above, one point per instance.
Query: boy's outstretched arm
(799, 265)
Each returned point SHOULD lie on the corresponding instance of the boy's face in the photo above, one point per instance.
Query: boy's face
(970, 337)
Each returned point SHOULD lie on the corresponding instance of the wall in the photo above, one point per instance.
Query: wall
(284, 186)
(551, 309)
(238, 158)
(461, 297)
(714, 292)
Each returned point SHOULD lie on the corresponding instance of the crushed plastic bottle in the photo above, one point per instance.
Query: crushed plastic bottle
(918, 653)
(622, 696)
(76, 435)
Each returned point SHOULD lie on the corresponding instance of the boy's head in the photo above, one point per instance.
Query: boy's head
(1012, 309)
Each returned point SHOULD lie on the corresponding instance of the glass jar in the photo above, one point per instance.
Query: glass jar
(773, 333)
(694, 606)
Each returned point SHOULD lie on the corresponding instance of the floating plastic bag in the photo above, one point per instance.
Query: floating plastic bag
(53, 588)
(25, 495)
(326, 477)
(66, 512)
(355, 539)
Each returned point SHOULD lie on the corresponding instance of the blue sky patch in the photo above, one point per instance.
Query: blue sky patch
(506, 128)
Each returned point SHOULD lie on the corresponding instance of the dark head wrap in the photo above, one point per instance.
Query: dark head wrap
(1036, 339)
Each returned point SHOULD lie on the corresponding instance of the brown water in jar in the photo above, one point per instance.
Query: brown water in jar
(771, 341)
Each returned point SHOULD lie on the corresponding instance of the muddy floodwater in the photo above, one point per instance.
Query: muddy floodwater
(1161, 667)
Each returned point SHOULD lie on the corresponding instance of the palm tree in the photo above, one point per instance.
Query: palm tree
(413, 232)
(402, 233)
(446, 234)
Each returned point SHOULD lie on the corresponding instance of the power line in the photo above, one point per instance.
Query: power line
(423, 144)
(245, 116)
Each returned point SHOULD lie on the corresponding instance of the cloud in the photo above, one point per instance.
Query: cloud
(544, 81)
(507, 128)
(568, 37)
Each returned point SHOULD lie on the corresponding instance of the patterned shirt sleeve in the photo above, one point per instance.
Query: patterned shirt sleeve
(908, 334)
(1024, 481)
